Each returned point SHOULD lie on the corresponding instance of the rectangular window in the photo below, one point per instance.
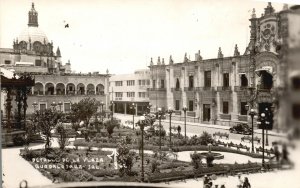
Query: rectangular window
(67, 107)
(130, 94)
(119, 83)
(191, 105)
(296, 111)
(119, 94)
(296, 83)
(225, 107)
(177, 105)
(130, 82)
(7, 62)
(38, 62)
(154, 84)
(162, 83)
(148, 82)
(42, 106)
(142, 94)
(207, 79)
(140, 82)
(226, 79)
(143, 82)
(243, 108)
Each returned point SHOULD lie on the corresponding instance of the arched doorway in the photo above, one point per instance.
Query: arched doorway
(60, 89)
(38, 89)
(49, 88)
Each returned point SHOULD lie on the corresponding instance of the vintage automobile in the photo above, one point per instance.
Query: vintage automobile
(241, 129)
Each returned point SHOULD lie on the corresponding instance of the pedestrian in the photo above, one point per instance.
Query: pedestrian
(246, 183)
(222, 186)
(285, 154)
(205, 180)
(240, 181)
(276, 153)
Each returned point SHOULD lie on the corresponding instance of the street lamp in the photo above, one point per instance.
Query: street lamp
(53, 104)
(170, 111)
(262, 124)
(252, 114)
(133, 111)
(159, 117)
(60, 104)
(112, 110)
(142, 124)
(268, 116)
(34, 105)
(102, 114)
(184, 110)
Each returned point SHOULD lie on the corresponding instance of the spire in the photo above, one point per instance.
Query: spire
(269, 9)
(158, 61)
(220, 54)
(236, 51)
(171, 60)
(163, 61)
(58, 52)
(33, 17)
(253, 15)
(151, 62)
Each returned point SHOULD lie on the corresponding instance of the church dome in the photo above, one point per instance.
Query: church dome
(34, 34)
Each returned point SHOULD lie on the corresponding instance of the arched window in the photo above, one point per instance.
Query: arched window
(266, 80)
(177, 84)
(49, 88)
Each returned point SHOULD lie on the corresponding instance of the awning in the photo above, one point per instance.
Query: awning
(268, 69)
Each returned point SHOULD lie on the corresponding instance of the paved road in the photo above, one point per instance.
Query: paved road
(193, 129)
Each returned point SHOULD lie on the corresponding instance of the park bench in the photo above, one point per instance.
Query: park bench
(249, 138)
(221, 135)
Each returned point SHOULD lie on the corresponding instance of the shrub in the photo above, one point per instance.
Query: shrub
(206, 139)
(154, 166)
(196, 160)
(82, 175)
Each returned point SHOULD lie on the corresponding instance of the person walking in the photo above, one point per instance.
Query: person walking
(240, 181)
(246, 183)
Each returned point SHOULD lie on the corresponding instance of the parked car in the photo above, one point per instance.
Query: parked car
(241, 129)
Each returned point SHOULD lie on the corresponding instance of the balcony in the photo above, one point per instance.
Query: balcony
(173, 89)
(189, 89)
(223, 88)
(242, 118)
(225, 116)
(156, 89)
(240, 88)
(191, 114)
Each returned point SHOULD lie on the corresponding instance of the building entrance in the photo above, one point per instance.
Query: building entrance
(206, 112)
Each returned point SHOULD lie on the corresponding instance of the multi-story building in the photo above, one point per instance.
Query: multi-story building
(54, 83)
(217, 91)
(129, 92)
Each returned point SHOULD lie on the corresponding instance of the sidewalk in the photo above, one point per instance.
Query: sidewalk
(222, 127)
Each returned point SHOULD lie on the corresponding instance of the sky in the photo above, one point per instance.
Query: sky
(122, 35)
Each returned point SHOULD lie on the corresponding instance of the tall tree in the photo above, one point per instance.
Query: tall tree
(84, 110)
(46, 121)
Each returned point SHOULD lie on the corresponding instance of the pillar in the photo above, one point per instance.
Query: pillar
(125, 104)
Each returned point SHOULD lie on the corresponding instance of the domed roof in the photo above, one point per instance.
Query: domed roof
(34, 33)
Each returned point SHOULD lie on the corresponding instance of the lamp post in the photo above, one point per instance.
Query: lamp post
(53, 104)
(170, 111)
(142, 124)
(34, 104)
(112, 110)
(252, 114)
(263, 122)
(102, 114)
(268, 116)
(149, 108)
(184, 110)
(60, 104)
(133, 111)
(159, 117)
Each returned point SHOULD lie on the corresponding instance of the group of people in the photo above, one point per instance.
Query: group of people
(207, 183)
(243, 183)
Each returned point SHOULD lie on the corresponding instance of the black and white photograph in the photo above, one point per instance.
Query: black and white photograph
(150, 93)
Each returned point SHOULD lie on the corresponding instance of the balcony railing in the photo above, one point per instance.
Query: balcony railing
(242, 118)
(191, 114)
(223, 88)
(175, 89)
(156, 89)
(189, 88)
(240, 88)
(225, 116)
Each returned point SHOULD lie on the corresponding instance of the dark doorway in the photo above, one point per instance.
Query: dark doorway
(206, 112)
(266, 80)
(244, 81)
(266, 108)
(177, 84)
